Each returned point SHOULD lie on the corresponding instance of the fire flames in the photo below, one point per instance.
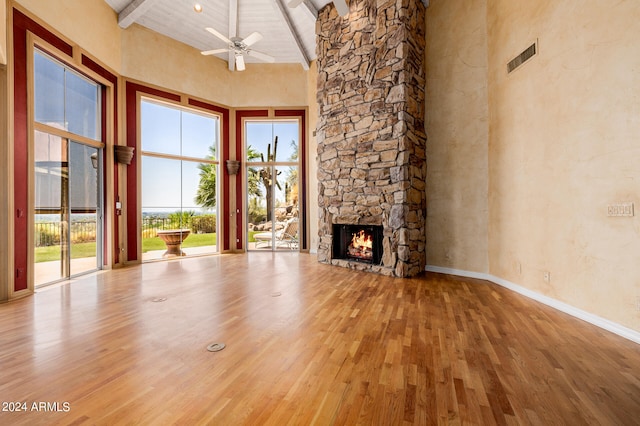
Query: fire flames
(361, 244)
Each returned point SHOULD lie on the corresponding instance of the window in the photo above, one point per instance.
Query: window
(65, 99)
(67, 175)
(180, 166)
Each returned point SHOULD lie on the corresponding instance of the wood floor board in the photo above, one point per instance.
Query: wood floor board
(306, 343)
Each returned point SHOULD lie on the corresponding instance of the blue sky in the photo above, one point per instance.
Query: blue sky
(168, 184)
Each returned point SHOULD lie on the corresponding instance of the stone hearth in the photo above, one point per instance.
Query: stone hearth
(371, 139)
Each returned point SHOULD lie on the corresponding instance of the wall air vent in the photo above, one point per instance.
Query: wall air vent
(527, 54)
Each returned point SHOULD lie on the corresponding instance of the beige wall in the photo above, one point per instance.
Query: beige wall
(3, 32)
(312, 158)
(277, 85)
(6, 257)
(158, 60)
(457, 135)
(91, 24)
(185, 70)
(563, 143)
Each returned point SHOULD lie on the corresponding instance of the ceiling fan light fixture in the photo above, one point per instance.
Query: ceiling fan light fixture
(239, 62)
(197, 7)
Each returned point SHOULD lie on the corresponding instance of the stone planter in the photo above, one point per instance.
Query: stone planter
(172, 239)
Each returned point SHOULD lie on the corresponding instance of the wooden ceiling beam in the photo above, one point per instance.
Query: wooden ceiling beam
(308, 7)
(233, 30)
(283, 13)
(133, 11)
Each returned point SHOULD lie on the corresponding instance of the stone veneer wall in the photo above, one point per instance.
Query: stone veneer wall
(370, 133)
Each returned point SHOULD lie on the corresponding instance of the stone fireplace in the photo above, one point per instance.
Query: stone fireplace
(370, 133)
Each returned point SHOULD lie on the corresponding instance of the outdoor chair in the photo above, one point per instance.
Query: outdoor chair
(286, 237)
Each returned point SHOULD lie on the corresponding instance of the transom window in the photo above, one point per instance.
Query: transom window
(65, 99)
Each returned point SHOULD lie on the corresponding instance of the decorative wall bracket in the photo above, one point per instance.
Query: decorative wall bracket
(123, 154)
(233, 166)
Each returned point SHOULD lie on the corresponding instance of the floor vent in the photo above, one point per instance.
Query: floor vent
(216, 347)
(528, 53)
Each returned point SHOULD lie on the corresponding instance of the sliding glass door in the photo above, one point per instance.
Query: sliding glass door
(272, 184)
(67, 172)
(67, 211)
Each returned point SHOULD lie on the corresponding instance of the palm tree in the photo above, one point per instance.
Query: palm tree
(206, 195)
(253, 176)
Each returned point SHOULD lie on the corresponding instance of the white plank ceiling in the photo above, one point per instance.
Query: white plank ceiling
(288, 32)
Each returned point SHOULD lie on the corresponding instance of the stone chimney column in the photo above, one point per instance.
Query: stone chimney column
(371, 138)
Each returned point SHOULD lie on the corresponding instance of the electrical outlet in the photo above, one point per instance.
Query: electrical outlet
(547, 276)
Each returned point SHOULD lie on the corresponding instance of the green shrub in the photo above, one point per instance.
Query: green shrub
(205, 224)
(257, 213)
(46, 236)
(181, 219)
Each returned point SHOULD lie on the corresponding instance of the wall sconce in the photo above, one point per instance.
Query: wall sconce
(233, 166)
(124, 154)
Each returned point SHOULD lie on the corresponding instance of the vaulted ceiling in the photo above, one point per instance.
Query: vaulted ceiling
(287, 26)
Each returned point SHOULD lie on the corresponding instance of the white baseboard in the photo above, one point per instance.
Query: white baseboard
(605, 324)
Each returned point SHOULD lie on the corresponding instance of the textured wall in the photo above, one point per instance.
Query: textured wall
(458, 131)
(312, 154)
(91, 24)
(564, 143)
(522, 166)
(6, 201)
(3, 32)
(185, 70)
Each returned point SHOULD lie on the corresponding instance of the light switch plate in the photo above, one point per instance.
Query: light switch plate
(620, 209)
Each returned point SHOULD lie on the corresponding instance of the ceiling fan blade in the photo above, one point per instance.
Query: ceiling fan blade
(294, 3)
(214, 52)
(219, 35)
(252, 38)
(341, 7)
(240, 62)
(262, 56)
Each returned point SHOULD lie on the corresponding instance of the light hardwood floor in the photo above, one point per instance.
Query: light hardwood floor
(306, 343)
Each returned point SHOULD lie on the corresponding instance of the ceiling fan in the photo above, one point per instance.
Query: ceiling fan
(240, 47)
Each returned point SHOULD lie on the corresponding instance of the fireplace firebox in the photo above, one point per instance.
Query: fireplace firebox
(360, 243)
